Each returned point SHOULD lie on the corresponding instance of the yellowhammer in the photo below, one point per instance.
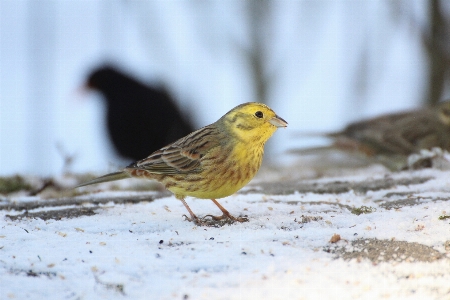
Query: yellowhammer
(212, 162)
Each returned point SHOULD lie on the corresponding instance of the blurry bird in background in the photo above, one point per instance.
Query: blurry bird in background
(390, 139)
(140, 119)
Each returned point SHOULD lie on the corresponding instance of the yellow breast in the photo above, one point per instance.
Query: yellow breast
(222, 177)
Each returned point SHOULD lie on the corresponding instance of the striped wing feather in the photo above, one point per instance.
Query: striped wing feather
(182, 156)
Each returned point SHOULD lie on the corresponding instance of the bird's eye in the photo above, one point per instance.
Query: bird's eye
(259, 114)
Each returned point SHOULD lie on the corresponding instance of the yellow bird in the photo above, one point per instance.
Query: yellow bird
(212, 162)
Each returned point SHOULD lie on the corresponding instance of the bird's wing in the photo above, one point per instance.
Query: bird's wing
(375, 126)
(182, 156)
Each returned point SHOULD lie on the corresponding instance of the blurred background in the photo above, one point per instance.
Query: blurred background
(318, 64)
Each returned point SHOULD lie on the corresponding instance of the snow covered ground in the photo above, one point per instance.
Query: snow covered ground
(370, 234)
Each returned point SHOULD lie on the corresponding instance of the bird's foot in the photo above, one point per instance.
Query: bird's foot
(197, 221)
(215, 221)
(194, 219)
(223, 219)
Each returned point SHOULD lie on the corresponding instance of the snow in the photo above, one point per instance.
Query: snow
(148, 251)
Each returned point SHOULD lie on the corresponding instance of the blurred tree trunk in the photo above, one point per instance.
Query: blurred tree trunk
(258, 18)
(436, 42)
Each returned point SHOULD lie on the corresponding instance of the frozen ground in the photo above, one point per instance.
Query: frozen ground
(364, 234)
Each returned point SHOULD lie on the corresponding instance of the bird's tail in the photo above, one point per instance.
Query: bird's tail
(105, 178)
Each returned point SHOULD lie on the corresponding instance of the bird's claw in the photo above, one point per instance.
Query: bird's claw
(195, 219)
(215, 221)
(242, 219)
(186, 218)
(227, 218)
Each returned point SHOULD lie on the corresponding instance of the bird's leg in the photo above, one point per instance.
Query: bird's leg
(193, 217)
(226, 214)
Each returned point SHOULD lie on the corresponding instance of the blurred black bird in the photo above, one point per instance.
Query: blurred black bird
(140, 119)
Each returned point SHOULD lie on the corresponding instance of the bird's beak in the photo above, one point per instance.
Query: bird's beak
(278, 121)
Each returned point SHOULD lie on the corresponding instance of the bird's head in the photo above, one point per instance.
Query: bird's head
(252, 122)
(101, 77)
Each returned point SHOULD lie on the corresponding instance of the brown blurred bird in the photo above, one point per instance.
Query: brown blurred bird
(140, 119)
(391, 138)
